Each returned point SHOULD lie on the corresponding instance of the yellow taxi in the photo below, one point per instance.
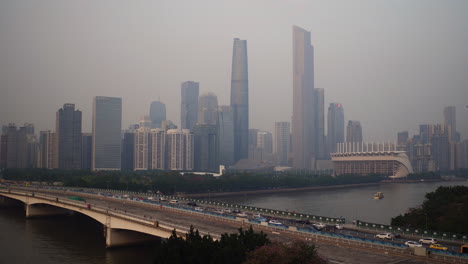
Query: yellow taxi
(438, 246)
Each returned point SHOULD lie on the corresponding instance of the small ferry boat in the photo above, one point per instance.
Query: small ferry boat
(378, 195)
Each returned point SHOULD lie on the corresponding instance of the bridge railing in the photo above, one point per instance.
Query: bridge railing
(412, 231)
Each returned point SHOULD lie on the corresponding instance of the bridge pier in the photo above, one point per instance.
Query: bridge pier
(121, 237)
(39, 210)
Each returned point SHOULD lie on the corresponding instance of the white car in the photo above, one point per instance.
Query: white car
(412, 244)
(338, 226)
(427, 240)
(199, 209)
(274, 222)
(241, 214)
(227, 210)
(384, 236)
(319, 226)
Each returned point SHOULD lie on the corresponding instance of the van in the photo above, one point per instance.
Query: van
(174, 201)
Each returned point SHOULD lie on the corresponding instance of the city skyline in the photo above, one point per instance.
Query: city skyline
(383, 64)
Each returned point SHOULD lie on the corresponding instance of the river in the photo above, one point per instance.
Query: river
(78, 239)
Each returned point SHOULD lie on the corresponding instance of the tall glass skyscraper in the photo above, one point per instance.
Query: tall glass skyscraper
(240, 99)
(157, 114)
(303, 132)
(107, 125)
(226, 135)
(335, 129)
(189, 104)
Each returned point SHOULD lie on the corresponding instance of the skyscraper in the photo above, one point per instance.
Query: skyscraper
(354, 131)
(240, 99)
(157, 113)
(208, 109)
(265, 141)
(48, 145)
(158, 148)
(141, 148)
(335, 126)
(282, 131)
(180, 149)
(226, 135)
(319, 124)
(107, 125)
(303, 132)
(86, 150)
(206, 147)
(189, 104)
(450, 122)
(68, 129)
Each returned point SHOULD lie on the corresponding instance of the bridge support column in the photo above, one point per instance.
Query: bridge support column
(39, 210)
(121, 237)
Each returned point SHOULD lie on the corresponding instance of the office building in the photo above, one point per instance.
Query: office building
(335, 126)
(319, 124)
(189, 104)
(157, 114)
(128, 150)
(240, 99)
(265, 141)
(206, 148)
(107, 125)
(208, 109)
(402, 138)
(21, 147)
(303, 131)
(354, 131)
(86, 150)
(68, 129)
(282, 133)
(226, 135)
(450, 122)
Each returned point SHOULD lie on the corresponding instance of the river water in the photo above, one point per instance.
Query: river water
(79, 239)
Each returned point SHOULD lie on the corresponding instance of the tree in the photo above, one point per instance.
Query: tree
(297, 252)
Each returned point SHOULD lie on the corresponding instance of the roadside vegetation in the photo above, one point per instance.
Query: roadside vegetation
(445, 209)
(246, 246)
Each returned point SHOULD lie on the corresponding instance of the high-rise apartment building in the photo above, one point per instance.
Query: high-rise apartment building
(450, 122)
(303, 131)
(189, 104)
(21, 149)
(240, 99)
(226, 135)
(180, 149)
(68, 129)
(206, 147)
(128, 150)
(282, 132)
(158, 149)
(354, 131)
(107, 125)
(265, 141)
(157, 114)
(208, 109)
(319, 124)
(141, 149)
(48, 145)
(335, 126)
(402, 138)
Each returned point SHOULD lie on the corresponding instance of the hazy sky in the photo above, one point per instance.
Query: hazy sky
(393, 64)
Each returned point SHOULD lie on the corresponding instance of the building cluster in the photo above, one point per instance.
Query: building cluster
(211, 135)
(437, 147)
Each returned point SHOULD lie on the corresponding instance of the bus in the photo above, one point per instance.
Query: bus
(464, 249)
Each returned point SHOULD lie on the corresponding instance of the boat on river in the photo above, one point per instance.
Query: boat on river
(378, 195)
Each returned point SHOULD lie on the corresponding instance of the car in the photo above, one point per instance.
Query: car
(428, 240)
(338, 226)
(241, 214)
(274, 222)
(218, 211)
(174, 201)
(438, 246)
(319, 226)
(396, 235)
(261, 219)
(412, 244)
(227, 210)
(384, 236)
(199, 209)
(192, 203)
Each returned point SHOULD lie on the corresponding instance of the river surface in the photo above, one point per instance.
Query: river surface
(79, 239)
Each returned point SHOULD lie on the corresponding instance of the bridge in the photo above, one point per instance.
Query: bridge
(127, 222)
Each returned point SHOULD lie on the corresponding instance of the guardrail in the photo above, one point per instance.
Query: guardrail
(412, 231)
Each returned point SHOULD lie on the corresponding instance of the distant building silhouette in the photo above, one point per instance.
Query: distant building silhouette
(68, 129)
(128, 150)
(450, 122)
(226, 135)
(180, 149)
(48, 146)
(86, 150)
(189, 104)
(21, 147)
(319, 124)
(206, 147)
(158, 149)
(107, 125)
(141, 151)
(354, 131)
(240, 99)
(335, 126)
(303, 131)
(208, 109)
(157, 113)
(282, 132)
